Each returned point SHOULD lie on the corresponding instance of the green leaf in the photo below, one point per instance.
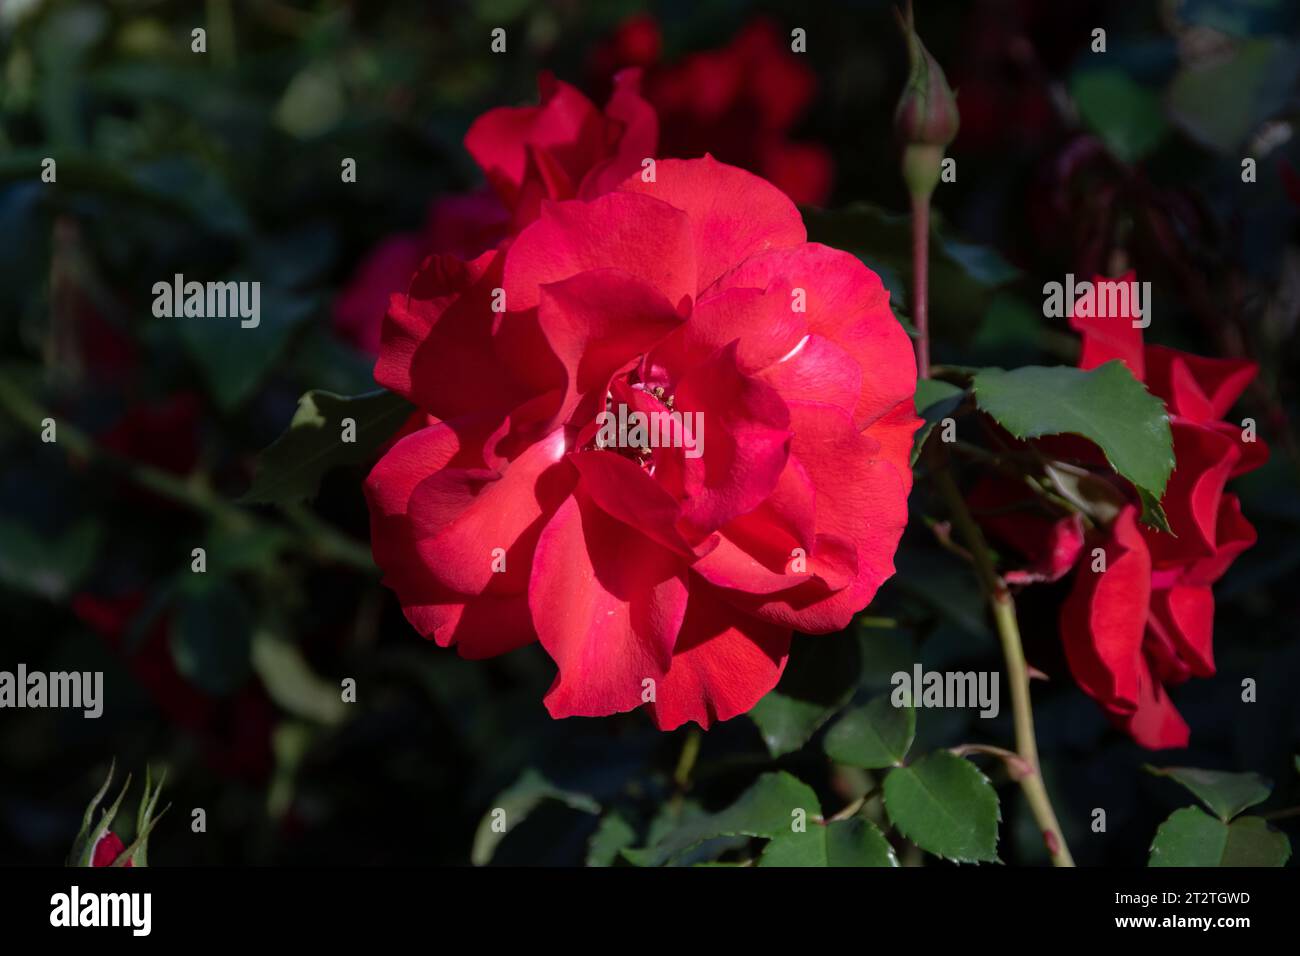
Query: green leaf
(852, 842)
(1221, 102)
(43, 565)
(1225, 794)
(512, 807)
(93, 174)
(612, 836)
(767, 809)
(1251, 18)
(818, 680)
(212, 637)
(1126, 115)
(946, 806)
(234, 550)
(1191, 837)
(234, 360)
(877, 735)
(935, 400)
(1105, 405)
(291, 468)
(292, 683)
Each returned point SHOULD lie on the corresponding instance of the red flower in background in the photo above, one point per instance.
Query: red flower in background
(234, 732)
(738, 103)
(1146, 621)
(508, 522)
(162, 433)
(461, 226)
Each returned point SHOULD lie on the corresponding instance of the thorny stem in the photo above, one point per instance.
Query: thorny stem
(1015, 765)
(319, 539)
(1029, 776)
(1025, 769)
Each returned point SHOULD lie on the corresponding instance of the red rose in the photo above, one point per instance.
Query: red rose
(564, 147)
(511, 519)
(1147, 620)
(738, 103)
(636, 42)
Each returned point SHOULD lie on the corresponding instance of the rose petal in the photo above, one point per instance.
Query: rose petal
(732, 213)
(638, 235)
(463, 518)
(1110, 337)
(597, 321)
(721, 665)
(1104, 617)
(1196, 387)
(608, 604)
(745, 439)
(847, 304)
(1204, 459)
(1155, 723)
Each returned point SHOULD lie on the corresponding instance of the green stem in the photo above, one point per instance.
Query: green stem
(686, 762)
(857, 806)
(329, 543)
(682, 775)
(995, 590)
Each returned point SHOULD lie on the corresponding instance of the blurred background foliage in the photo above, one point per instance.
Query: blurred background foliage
(227, 165)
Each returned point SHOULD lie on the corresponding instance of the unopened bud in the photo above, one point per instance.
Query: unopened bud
(926, 119)
(927, 110)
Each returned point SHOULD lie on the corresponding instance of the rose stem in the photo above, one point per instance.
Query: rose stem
(1029, 776)
(921, 280)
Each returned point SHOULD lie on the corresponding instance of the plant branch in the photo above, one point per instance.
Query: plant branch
(1004, 615)
(318, 540)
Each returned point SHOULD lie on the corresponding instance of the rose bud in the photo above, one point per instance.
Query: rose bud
(96, 845)
(926, 119)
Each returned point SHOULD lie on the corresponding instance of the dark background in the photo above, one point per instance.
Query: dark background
(227, 164)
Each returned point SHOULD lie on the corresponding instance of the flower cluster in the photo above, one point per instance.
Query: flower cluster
(1140, 613)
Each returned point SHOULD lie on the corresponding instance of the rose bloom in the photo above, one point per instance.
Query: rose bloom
(648, 575)
(1147, 620)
